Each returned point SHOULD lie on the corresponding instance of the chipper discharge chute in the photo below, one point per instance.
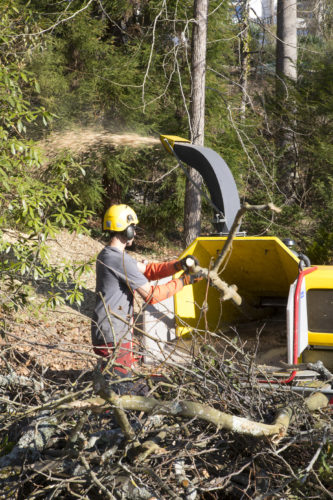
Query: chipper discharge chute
(264, 271)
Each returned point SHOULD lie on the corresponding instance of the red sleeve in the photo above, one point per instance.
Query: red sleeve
(159, 270)
(158, 293)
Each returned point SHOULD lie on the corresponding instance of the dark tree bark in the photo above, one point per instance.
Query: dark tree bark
(192, 209)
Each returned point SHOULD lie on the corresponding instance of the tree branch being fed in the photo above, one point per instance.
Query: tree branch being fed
(234, 228)
(228, 291)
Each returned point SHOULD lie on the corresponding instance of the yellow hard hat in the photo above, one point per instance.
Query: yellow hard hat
(119, 218)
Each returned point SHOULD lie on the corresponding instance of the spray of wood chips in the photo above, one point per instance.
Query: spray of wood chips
(82, 140)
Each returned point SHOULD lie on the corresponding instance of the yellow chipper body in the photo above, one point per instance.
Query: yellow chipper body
(262, 268)
(318, 316)
(268, 274)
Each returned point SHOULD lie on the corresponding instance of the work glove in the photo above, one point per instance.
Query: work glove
(181, 264)
(190, 279)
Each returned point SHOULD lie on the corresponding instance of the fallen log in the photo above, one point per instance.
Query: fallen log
(221, 420)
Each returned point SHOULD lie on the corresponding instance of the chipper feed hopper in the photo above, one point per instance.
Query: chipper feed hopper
(271, 279)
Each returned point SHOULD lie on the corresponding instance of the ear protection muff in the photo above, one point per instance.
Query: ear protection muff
(130, 232)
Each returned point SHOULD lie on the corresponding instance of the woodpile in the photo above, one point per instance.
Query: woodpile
(207, 429)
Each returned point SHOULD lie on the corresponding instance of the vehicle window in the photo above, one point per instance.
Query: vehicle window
(320, 310)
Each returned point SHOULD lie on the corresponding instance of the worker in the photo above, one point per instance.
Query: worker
(118, 276)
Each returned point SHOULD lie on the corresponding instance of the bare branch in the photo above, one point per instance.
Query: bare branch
(239, 216)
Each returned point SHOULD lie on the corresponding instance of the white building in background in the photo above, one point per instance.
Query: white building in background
(263, 9)
(310, 13)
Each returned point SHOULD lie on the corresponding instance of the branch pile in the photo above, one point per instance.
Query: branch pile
(204, 430)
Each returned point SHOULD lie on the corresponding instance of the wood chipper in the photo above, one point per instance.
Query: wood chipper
(277, 285)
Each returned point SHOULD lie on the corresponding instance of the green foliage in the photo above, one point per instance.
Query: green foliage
(34, 200)
(112, 66)
(6, 446)
(93, 72)
(90, 70)
(157, 201)
(315, 171)
(320, 250)
(307, 210)
(326, 465)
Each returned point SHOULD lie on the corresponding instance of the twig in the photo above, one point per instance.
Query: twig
(314, 458)
(102, 389)
(95, 479)
(183, 481)
(151, 472)
(59, 21)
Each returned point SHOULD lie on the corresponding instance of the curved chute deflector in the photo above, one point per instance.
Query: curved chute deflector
(215, 173)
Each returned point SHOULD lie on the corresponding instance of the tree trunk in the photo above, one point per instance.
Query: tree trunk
(286, 73)
(244, 55)
(286, 44)
(192, 209)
